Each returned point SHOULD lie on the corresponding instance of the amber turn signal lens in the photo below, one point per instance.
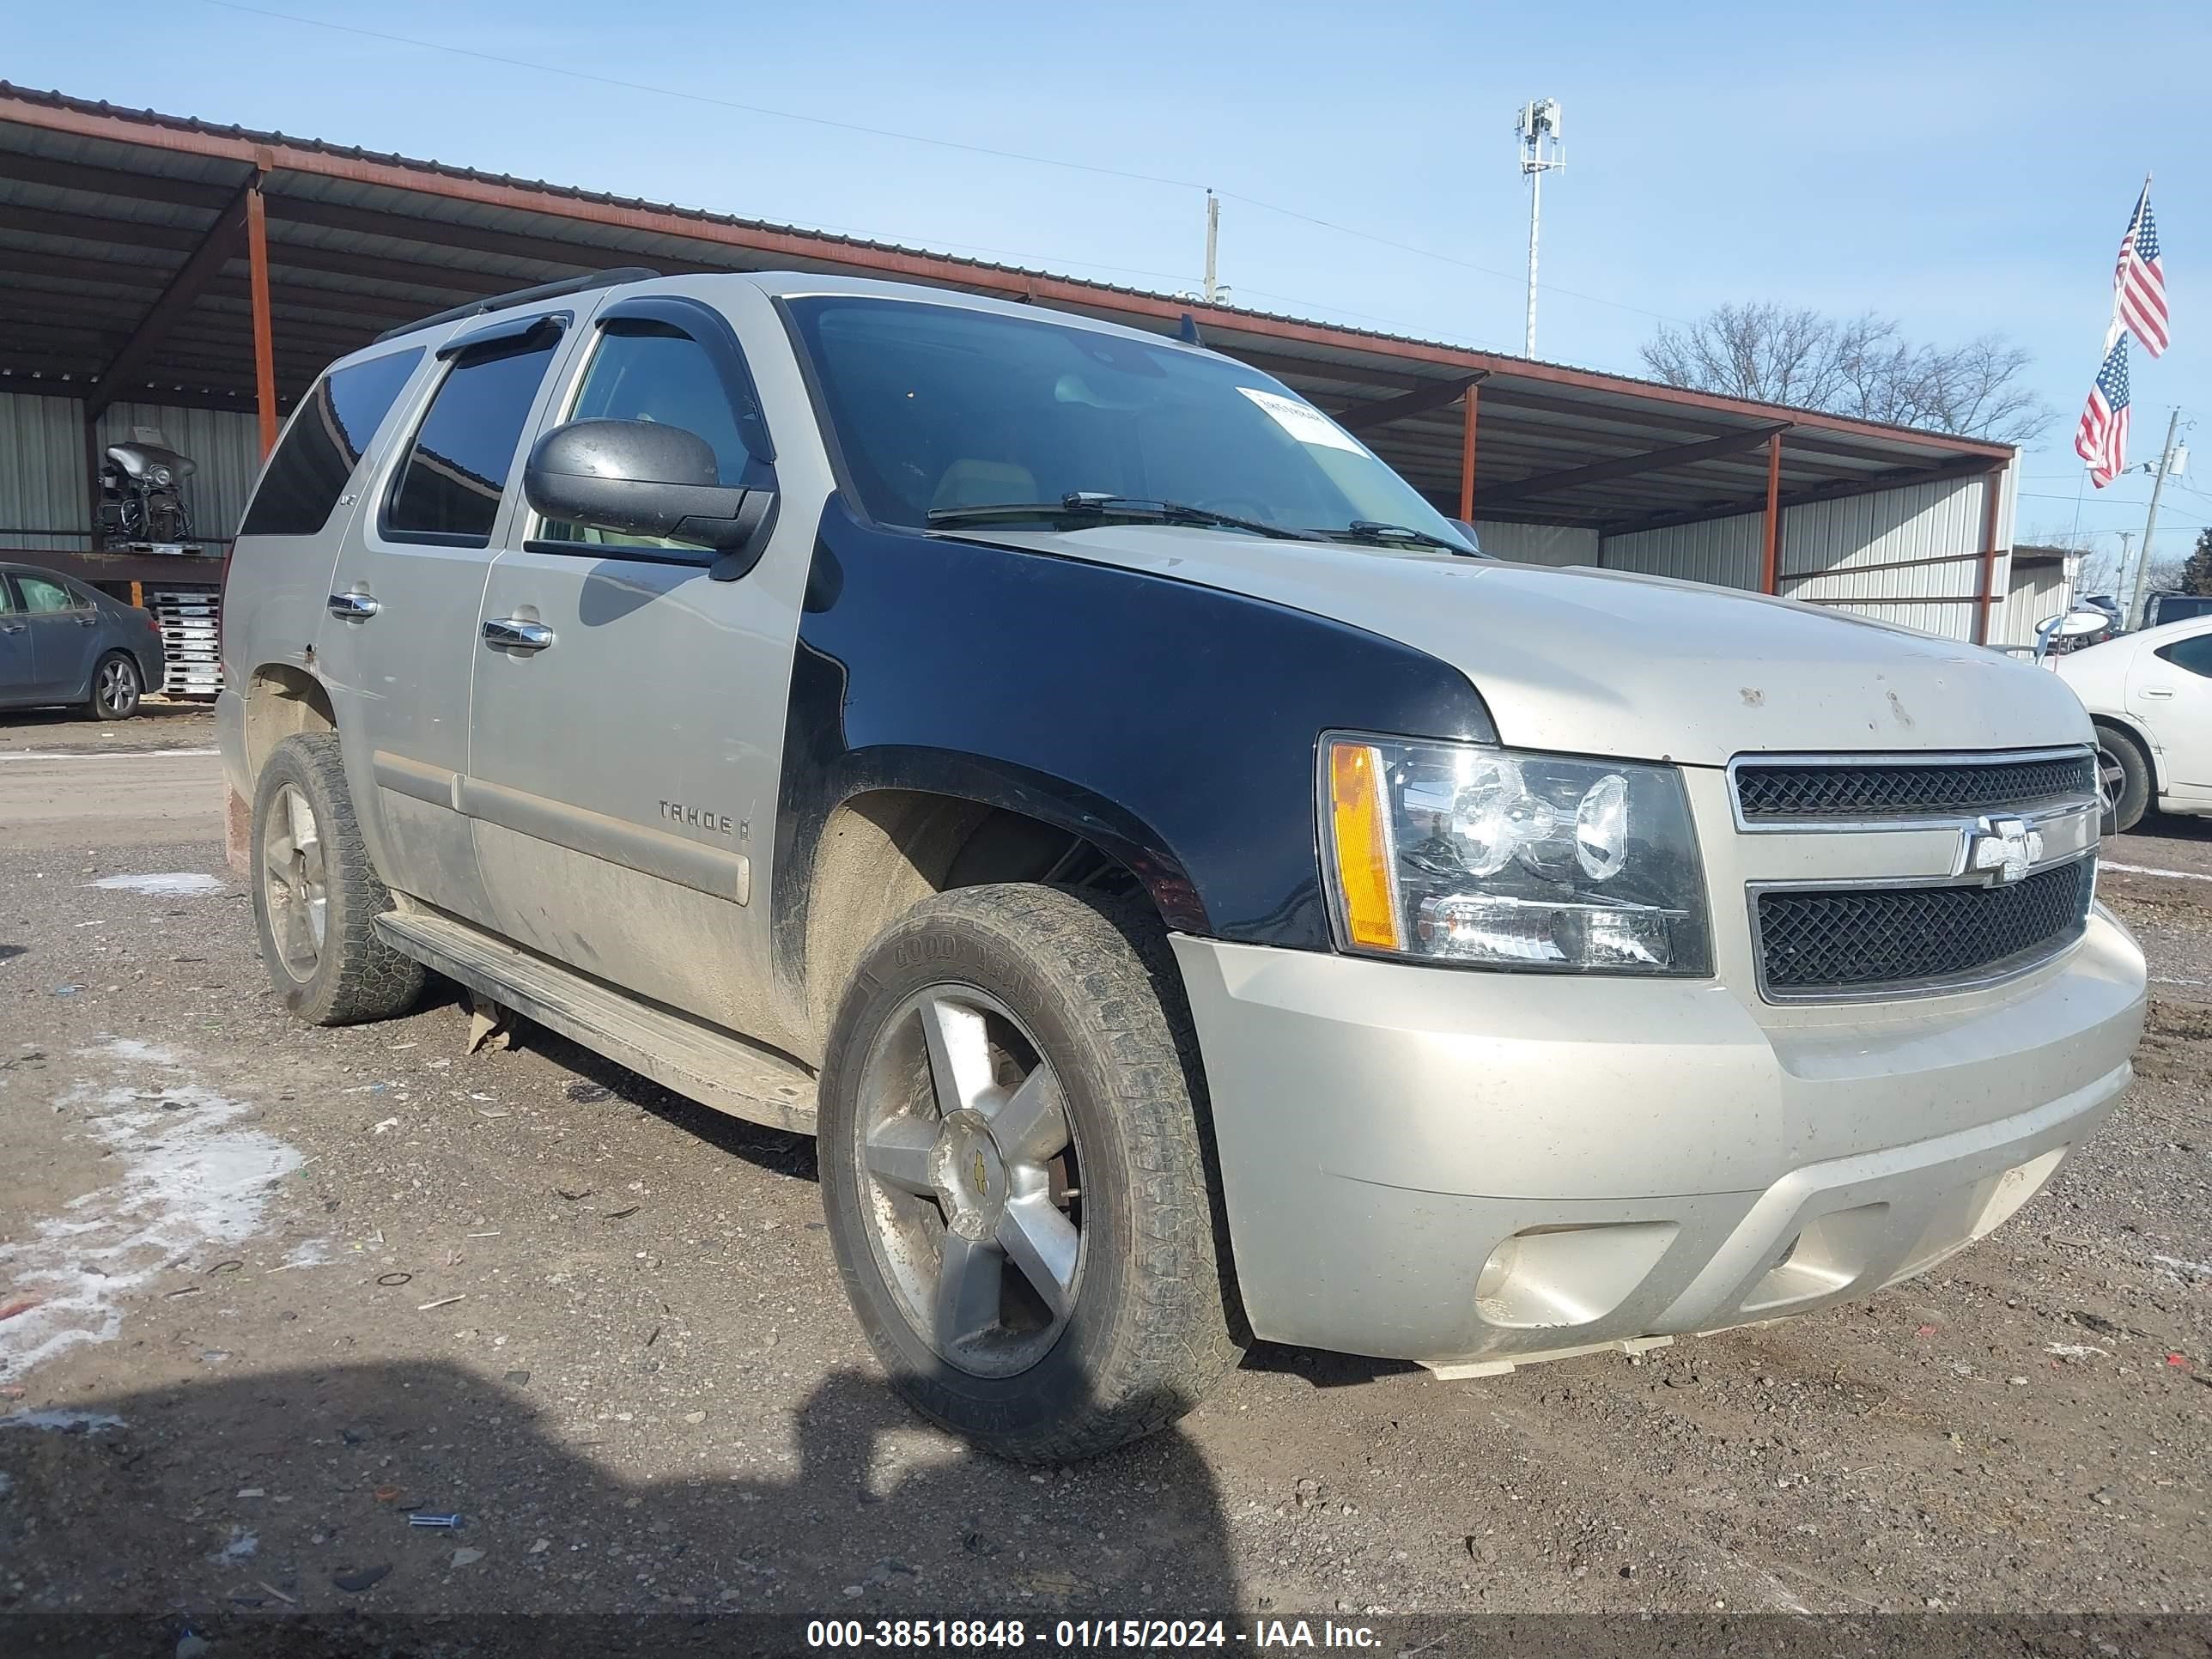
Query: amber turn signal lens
(1360, 813)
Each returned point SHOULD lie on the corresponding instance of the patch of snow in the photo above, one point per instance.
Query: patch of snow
(62, 1422)
(315, 1253)
(129, 1049)
(191, 1178)
(173, 883)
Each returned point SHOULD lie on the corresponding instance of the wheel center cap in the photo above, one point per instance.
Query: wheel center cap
(966, 1168)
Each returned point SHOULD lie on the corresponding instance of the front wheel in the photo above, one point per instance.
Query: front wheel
(116, 689)
(1014, 1175)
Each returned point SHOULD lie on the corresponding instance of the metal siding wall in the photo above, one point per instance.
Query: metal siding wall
(42, 482)
(227, 445)
(1537, 543)
(1725, 552)
(2036, 593)
(1826, 546)
(1832, 540)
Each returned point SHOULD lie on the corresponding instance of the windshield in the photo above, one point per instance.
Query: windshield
(939, 409)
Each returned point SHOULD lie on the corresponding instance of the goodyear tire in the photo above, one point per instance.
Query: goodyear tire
(315, 898)
(1015, 1176)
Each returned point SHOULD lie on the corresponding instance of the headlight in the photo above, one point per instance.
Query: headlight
(1502, 859)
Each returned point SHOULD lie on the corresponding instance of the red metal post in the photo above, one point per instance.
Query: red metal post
(265, 344)
(1992, 496)
(1467, 458)
(1772, 568)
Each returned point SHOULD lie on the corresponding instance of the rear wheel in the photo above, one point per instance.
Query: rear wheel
(116, 688)
(1013, 1175)
(316, 898)
(2123, 770)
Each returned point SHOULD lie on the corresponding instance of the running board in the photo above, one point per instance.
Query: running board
(685, 1054)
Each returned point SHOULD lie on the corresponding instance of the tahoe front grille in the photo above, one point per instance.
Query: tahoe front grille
(1770, 793)
(1866, 941)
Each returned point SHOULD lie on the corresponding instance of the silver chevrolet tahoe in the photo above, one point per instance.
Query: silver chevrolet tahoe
(1189, 891)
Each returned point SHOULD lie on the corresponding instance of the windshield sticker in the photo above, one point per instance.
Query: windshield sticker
(1302, 421)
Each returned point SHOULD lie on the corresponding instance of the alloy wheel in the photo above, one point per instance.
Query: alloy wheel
(969, 1180)
(118, 687)
(294, 883)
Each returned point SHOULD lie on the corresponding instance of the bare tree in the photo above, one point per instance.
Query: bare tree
(1860, 366)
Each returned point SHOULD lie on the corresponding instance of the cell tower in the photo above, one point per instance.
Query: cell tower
(1541, 151)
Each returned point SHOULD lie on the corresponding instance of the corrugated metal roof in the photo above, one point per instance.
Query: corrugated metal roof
(101, 206)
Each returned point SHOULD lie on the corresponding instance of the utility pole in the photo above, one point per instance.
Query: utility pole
(1541, 151)
(2150, 522)
(1213, 289)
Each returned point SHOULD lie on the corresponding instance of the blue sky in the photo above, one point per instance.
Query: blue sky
(1961, 167)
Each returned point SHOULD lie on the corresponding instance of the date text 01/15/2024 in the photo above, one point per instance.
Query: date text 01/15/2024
(1264, 1636)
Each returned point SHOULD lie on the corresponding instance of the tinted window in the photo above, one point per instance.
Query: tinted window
(324, 444)
(43, 594)
(449, 489)
(651, 371)
(2178, 607)
(939, 409)
(2193, 654)
(7, 596)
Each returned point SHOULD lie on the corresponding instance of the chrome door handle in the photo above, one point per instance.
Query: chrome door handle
(2157, 691)
(13, 628)
(353, 607)
(516, 635)
(86, 622)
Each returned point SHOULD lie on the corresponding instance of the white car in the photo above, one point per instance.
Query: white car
(2150, 695)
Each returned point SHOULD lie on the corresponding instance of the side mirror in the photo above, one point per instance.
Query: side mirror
(642, 478)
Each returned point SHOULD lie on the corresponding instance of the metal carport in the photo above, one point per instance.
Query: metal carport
(154, 262)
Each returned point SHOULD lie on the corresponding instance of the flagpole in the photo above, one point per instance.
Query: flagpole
(2113, 328)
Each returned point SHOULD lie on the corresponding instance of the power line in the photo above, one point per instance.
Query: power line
(701, 97)
(1442, 258)
(991, 151)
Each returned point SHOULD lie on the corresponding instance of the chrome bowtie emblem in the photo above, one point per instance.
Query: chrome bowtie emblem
(983, 1175)
(2003, 849)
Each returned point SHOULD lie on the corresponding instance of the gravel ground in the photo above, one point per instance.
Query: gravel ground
(299, 1283)
(158, 723)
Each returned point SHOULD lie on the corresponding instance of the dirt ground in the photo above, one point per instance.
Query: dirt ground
(298, 1284)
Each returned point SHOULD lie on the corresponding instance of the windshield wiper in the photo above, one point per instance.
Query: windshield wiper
(1079, 506)
(1376, 530)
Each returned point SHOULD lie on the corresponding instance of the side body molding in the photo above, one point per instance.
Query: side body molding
(704, 869)
(1175, 725)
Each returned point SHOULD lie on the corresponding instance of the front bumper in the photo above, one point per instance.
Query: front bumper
(1665, 1157)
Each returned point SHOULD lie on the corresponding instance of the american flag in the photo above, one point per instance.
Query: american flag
(2102, 439)
(2139, 279)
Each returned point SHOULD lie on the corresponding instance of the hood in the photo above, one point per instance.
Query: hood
(1605, 662)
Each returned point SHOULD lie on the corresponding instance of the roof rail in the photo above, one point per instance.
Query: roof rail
(523, 296)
